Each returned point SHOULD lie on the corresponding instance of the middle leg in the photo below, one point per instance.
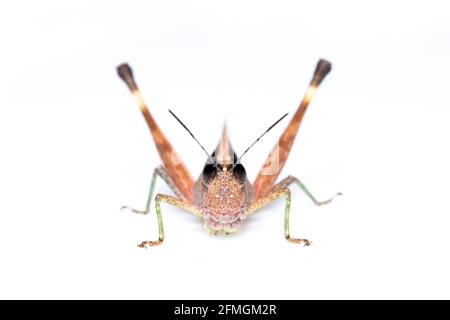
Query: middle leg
(162, 173)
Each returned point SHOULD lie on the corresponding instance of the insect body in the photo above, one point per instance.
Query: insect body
(222, 195)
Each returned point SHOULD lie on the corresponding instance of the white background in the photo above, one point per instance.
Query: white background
(74, 147)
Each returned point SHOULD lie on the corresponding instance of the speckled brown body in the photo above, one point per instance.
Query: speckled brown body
(224, 202)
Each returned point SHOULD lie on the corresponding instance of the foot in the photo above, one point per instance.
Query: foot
(146, 244)
(321, 203)
(133, 210)
(306, 243)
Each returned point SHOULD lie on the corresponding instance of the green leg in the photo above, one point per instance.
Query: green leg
(272, 196)
(162, 173)
(287, 212)
(281, 190)
(178, 202)
(170, 200)
(290, 179)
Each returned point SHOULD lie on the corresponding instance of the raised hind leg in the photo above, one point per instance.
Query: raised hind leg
(277, 158)
(175, 168)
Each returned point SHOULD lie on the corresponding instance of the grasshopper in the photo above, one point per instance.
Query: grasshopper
(223, 196)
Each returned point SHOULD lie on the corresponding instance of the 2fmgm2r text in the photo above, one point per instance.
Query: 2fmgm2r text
(227, 309)
(247, 309)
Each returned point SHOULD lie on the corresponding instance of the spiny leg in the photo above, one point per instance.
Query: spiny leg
(272, 196)
(290, 179)
(175, 167)
(161, 172)
(170, 200)
(278, 156)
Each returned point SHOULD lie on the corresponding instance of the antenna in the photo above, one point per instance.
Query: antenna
(270, 128)
(192, 135)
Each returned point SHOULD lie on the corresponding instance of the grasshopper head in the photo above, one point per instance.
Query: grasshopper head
(225, 190)
(224, 198)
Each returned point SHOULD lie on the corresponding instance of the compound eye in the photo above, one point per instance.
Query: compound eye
(209, 172)
(240, 174)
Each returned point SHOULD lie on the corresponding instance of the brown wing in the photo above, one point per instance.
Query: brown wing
(277, 158)
(171, 162)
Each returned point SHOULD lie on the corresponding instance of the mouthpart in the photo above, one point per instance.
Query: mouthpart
(223, 222)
